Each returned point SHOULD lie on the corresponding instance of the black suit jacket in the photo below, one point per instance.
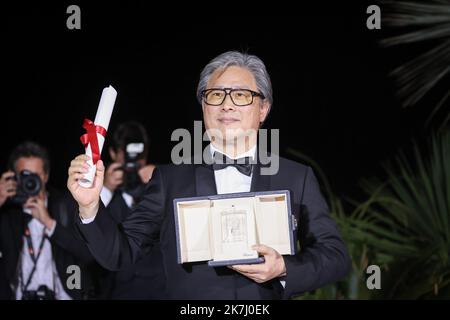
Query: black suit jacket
(67, 249)
(323, 258)
(5, 291)
(145, 278)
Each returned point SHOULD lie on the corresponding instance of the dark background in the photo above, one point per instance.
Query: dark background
(333, 99)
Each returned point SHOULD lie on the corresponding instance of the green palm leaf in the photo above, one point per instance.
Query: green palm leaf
(409, 220)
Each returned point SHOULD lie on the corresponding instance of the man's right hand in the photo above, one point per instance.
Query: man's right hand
(88, 198)
(113, 176)
(7, 187)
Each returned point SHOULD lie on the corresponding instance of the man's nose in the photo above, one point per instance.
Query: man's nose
(228, 103)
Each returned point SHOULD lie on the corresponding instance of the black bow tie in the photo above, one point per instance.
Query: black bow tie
(243, 165)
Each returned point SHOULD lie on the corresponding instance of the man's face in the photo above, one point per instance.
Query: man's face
(234, 121)
(34, 165)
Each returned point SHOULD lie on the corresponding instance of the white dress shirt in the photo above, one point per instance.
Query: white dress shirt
(106, 196)
(45, 273)
(229, 179)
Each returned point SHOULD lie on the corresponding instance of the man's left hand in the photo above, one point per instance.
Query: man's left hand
(273, 267)
(39, 211)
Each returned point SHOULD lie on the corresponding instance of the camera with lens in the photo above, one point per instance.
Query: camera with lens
(132, 183)
(29, 184)
(42, 293)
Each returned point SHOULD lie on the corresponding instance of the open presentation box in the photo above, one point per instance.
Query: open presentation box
(222, 228)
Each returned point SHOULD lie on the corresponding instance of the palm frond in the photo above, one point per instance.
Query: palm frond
(409, 219)
(404, 226)
(427, 23)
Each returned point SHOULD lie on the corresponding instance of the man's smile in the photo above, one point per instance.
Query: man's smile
(227, 120)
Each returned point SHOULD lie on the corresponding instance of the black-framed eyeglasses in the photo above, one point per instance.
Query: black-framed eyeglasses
(240, 97)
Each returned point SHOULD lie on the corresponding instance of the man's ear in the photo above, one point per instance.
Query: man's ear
(112, 154)
(264, 111)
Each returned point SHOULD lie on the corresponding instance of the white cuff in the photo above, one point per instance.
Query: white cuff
(106, 195)
(128, 199)
(49, 232)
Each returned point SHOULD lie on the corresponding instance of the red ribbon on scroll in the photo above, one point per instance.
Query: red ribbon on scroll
(91, 137)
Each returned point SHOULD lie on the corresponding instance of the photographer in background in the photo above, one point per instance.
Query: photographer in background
(125, 180)
(37, 241)
(129, 171)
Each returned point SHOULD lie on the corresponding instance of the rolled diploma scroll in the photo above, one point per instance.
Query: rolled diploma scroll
(104, 111)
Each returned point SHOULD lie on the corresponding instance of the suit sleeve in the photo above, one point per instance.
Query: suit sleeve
(61, 208)
(323, 257)
(115, 245)
(65, 238)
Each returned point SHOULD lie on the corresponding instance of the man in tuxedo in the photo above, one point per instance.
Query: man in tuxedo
(124, 184)
(236, 95)
(37, 238)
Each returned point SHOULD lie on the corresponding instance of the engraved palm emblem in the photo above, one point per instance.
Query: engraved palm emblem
(234, 226)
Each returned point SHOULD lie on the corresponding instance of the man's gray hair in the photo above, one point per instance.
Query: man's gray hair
(243, 60)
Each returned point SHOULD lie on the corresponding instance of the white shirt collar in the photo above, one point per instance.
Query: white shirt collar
(250, 153)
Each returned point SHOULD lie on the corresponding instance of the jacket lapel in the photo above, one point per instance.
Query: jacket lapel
(260, 182)
(205, 183)
(17, 224)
